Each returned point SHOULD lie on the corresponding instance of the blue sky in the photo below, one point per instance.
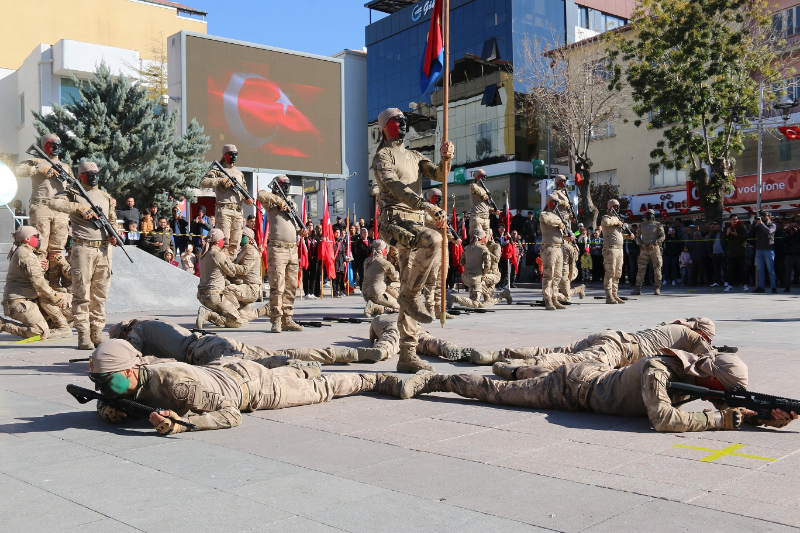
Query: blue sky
(321, 27)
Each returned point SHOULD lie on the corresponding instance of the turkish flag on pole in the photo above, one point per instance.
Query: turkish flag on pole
(375, 232)
(302, 248)
(325, 249)
(508, 217)
(262, 226)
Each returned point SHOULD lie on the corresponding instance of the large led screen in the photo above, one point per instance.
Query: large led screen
(282, 111)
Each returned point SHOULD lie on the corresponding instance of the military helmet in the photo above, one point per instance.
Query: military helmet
(386, 116)
(561, 178)
(613, 203)
(478, 173)
(229, 148)
(87, 166)
(434, 196)
(377, 245)
(50, 137)
(282, 182)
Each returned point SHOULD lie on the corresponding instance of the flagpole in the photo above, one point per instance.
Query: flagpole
(445, 138)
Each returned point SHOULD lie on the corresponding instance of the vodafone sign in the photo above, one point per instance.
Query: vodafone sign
(776, 186)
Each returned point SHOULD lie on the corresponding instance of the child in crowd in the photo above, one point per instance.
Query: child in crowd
(133, 236)
(169, 257)
(147, 223)
(686, 266)
(586, 265)
(188, 259)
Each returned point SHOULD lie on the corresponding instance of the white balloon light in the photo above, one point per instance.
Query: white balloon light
(8, 185)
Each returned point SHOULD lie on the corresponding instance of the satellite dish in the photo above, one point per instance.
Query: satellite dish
(8, 185)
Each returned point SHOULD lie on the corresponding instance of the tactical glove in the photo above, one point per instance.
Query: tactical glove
(768, 422)
(51, 172)
(228, 183)
(168, 427)
(110, 414)
(86, 212)
(437, 214)
(732, 417)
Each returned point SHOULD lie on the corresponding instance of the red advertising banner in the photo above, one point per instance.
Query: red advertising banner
(775, 187)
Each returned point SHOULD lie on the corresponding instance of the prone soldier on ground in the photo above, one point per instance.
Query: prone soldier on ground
(640, 389)
(282, 256)
(381, 297)
(229, 199)
(650, 236)
(214, 396)
(398, 173)
(218, 305)
(53, 226)
(90, 254)
(27, 293)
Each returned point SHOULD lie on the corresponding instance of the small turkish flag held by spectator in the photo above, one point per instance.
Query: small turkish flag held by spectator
(791, 132)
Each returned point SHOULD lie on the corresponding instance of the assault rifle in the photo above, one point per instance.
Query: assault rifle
(236, 185)
(295, 216)
(762, 404)
(80, 360)
(478, 310)
(726, 349)
(346, 320)
(621, 298)
(625, 228)
(101, 222)
(202, 331)
(129, 407)
(312, 324)
(482, 185)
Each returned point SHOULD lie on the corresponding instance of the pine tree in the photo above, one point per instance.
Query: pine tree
(115, 125)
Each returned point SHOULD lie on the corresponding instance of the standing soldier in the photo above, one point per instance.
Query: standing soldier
(398, 173)
(281, 255)
(229, 200)
(26, 290)
(479, 202)
(650, 237)
(551, 253)
(560, 192)
(246, 287)
(91, 255)
(433, 287)
(52, 226)
(379, 294)
(613, 239)
(220, 306)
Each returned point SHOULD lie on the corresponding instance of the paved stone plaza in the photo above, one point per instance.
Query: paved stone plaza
(440, 463)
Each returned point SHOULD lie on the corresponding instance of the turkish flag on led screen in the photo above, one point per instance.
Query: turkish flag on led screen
(791, 132)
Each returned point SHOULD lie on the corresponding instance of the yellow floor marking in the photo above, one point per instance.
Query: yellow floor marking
(723, 452)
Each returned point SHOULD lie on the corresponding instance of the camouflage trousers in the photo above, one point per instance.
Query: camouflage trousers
(476, 222)
(552, 266)
(225, 309)
(569, 270)
(646, 257)
(607, 347)
(282, 272)
(612, 262)
(244, 294)
(385, 336)
(566, 387)
(474, 284)
(209, 348)
(387, 298)
(53, 227)
(490, 281)
(433, 288)
(58, 317)
(27, 312)
(488, 301)
(288, 386)
(419, 252)
(230, 222)
(91, 279)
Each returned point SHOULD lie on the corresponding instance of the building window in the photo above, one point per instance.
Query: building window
(786, 23)
(337, 201)
(22, 108)
(69, 92)
(667, 177)
(311, 206)
(604, 129)
(491, 96)
(600, 70)
(605, 177)
(584, 17)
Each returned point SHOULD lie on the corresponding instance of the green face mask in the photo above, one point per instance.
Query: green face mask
(118, 383)
(244, 240)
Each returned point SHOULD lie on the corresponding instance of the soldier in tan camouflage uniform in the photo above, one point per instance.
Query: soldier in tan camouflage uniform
(246, 287)
(282, 258)
(636, 390)
(52, 225)
(613, 241)
(90, 255)
(229, 201)
(492, 277)
(379, 295)
(650, 237)
(433, 287)
(569, 272)
(166, 340)
(552, 254)
(480, 209)
(479, 278)
(214, 396)
(398, 173)
(26, 291)
(613, 347)
(219, 306)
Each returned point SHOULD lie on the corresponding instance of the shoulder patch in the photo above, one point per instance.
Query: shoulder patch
(180, 391)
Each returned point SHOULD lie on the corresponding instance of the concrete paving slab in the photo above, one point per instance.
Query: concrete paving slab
(491, 446)
(104, 525)
(683, 472)
(746, 506)
(295, 524)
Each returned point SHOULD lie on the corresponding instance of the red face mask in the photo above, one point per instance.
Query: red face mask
(34, 241)
(397, 127)
(221, 243)
(709, 383)
(551, 205)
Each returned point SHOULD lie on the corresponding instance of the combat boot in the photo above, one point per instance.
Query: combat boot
(507, 371)
(311, 369)
(290, 325)
(548, 304)
(507, 295)
(615, 294)
(410, 363)
(388, 384)
(276, 325)
(637, 291)
(558, 305)
(414, 307)
(63, 332)
(369, 355)
(657, 291)
(581, 291)
(84, 341)
(421, 383)
(483, 357)
(344, 355)
(371, 309)
(610, 297)
(96, 337)
(202, 316)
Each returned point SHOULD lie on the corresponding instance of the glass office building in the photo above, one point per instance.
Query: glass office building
(486, 41)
